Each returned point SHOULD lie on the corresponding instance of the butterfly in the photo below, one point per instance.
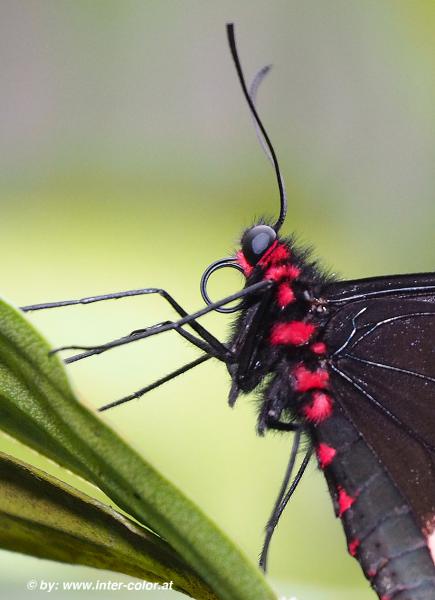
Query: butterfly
(348, 366)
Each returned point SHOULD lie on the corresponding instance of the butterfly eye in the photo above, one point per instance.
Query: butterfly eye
(256, 241)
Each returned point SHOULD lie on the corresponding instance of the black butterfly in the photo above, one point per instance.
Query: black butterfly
(348, 364)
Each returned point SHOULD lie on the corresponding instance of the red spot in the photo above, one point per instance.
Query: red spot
(293, 272)
(308, 380)
(276, 253)
(344, 501)
(241, 260)
(386, 598)
(372, 573)
(318, 348)
(285, 295)
(295, 333)
(353, 546)
(320, 408)
(325, 454)
(282, 272)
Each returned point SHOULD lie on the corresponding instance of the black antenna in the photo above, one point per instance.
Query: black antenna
(282, 195)
(253, 89)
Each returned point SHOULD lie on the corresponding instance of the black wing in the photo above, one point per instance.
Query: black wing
(381, 347)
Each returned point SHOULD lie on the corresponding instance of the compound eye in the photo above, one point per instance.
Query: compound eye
(256, 241)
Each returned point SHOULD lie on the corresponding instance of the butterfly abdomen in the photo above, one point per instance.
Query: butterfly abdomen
(380, 528)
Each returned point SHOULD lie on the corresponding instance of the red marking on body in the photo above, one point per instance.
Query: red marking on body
(371, 573)
(353, 546)
(325, 454)
(308, 380)
(320, 407)
(285, 295)
(241, 260)
(344, 501)
(386, 598)
(318, 348)
(294, 333)
(282, 272)
(276, 253)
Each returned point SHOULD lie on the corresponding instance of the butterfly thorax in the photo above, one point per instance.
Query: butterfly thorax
(277, 341)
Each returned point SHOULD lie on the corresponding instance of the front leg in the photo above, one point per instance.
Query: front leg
(277, 425)
(270, 419)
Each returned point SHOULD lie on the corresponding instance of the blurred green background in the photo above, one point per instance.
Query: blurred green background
(128, 159)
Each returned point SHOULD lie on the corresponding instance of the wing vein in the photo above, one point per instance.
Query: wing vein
(389, 367)
(413, 434)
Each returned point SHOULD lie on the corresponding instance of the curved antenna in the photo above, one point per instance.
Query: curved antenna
(253, 89)
(282, 194)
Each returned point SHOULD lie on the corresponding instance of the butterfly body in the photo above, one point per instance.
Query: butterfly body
(324, 354)
(276, 323)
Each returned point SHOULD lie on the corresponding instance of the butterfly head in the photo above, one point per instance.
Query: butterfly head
(256, 241)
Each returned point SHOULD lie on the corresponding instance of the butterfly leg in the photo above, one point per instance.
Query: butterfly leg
(157, 383)
(194, 340)
(284, 495)
(213, 342)
(270, 419)
(277, 425)
(188, 319)
(220, 350)
(275, 401)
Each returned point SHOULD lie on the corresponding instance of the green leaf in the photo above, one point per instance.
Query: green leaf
(42, 516)
(38, 407)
